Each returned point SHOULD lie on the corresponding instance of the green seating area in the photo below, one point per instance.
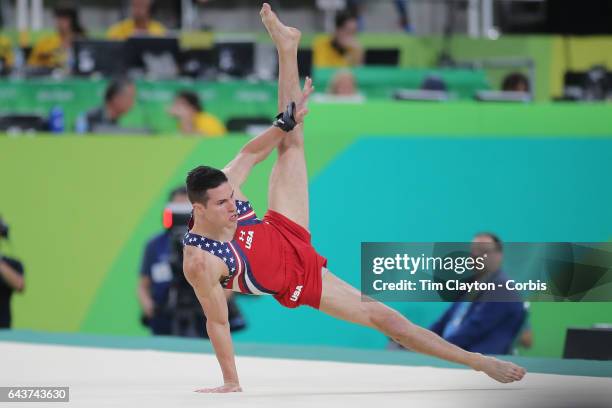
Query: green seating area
(381, 82)
(76, 96)
(225, 99)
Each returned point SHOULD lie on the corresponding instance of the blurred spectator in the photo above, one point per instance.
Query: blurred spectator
(118, 100)
(515, 82)
(342, 48)
(402, 10)
(192, 119)
(11, 280)
(358, 9)
(343, 84)
(54, 51)
(342, 88)
(6, 55)
(484, 325)
(434, 83)
(139, 24)
(156, 276)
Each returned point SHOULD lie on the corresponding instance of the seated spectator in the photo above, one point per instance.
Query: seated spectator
(118, 100)
(343, 84)
(342, 88)
(140, 23)
(515, 82)
(54, 51)
(192, 119)
(6, 55)
(483, 326)
(342, 49)
(434, 83)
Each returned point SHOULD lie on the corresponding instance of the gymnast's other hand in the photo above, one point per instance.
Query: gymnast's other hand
(302, 104)
(225, 388)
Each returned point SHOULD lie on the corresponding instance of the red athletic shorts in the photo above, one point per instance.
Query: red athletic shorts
(303, 265)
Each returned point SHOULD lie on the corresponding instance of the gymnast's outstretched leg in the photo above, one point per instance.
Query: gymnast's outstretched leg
(288, 188)
(341, 300)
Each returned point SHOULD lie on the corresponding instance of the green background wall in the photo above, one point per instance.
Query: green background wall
(81, 209)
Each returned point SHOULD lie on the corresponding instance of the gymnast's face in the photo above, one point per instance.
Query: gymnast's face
(220, 209)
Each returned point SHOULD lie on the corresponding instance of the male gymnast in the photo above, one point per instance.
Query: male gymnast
(228, 247)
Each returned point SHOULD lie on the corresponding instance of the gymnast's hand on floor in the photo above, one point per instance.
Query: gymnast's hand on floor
(227, 387)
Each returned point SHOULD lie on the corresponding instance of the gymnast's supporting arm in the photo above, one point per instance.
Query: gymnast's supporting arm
(204, 278)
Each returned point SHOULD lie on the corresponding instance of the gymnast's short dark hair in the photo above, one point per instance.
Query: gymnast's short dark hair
(200, 180)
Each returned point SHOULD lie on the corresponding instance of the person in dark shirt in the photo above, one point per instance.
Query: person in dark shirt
(485, 325)
(515, 82)
(156, 276)
(118, 100)
(11, 280)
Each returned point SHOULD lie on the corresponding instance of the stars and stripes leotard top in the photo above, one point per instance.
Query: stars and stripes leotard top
(254, 257)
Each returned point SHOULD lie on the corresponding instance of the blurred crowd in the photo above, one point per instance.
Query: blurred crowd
(56, 50)
(148, 50)
(119, 98)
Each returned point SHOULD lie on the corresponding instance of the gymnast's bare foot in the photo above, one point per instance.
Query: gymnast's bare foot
(285, 38)
(502, 371)
(225, 388)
